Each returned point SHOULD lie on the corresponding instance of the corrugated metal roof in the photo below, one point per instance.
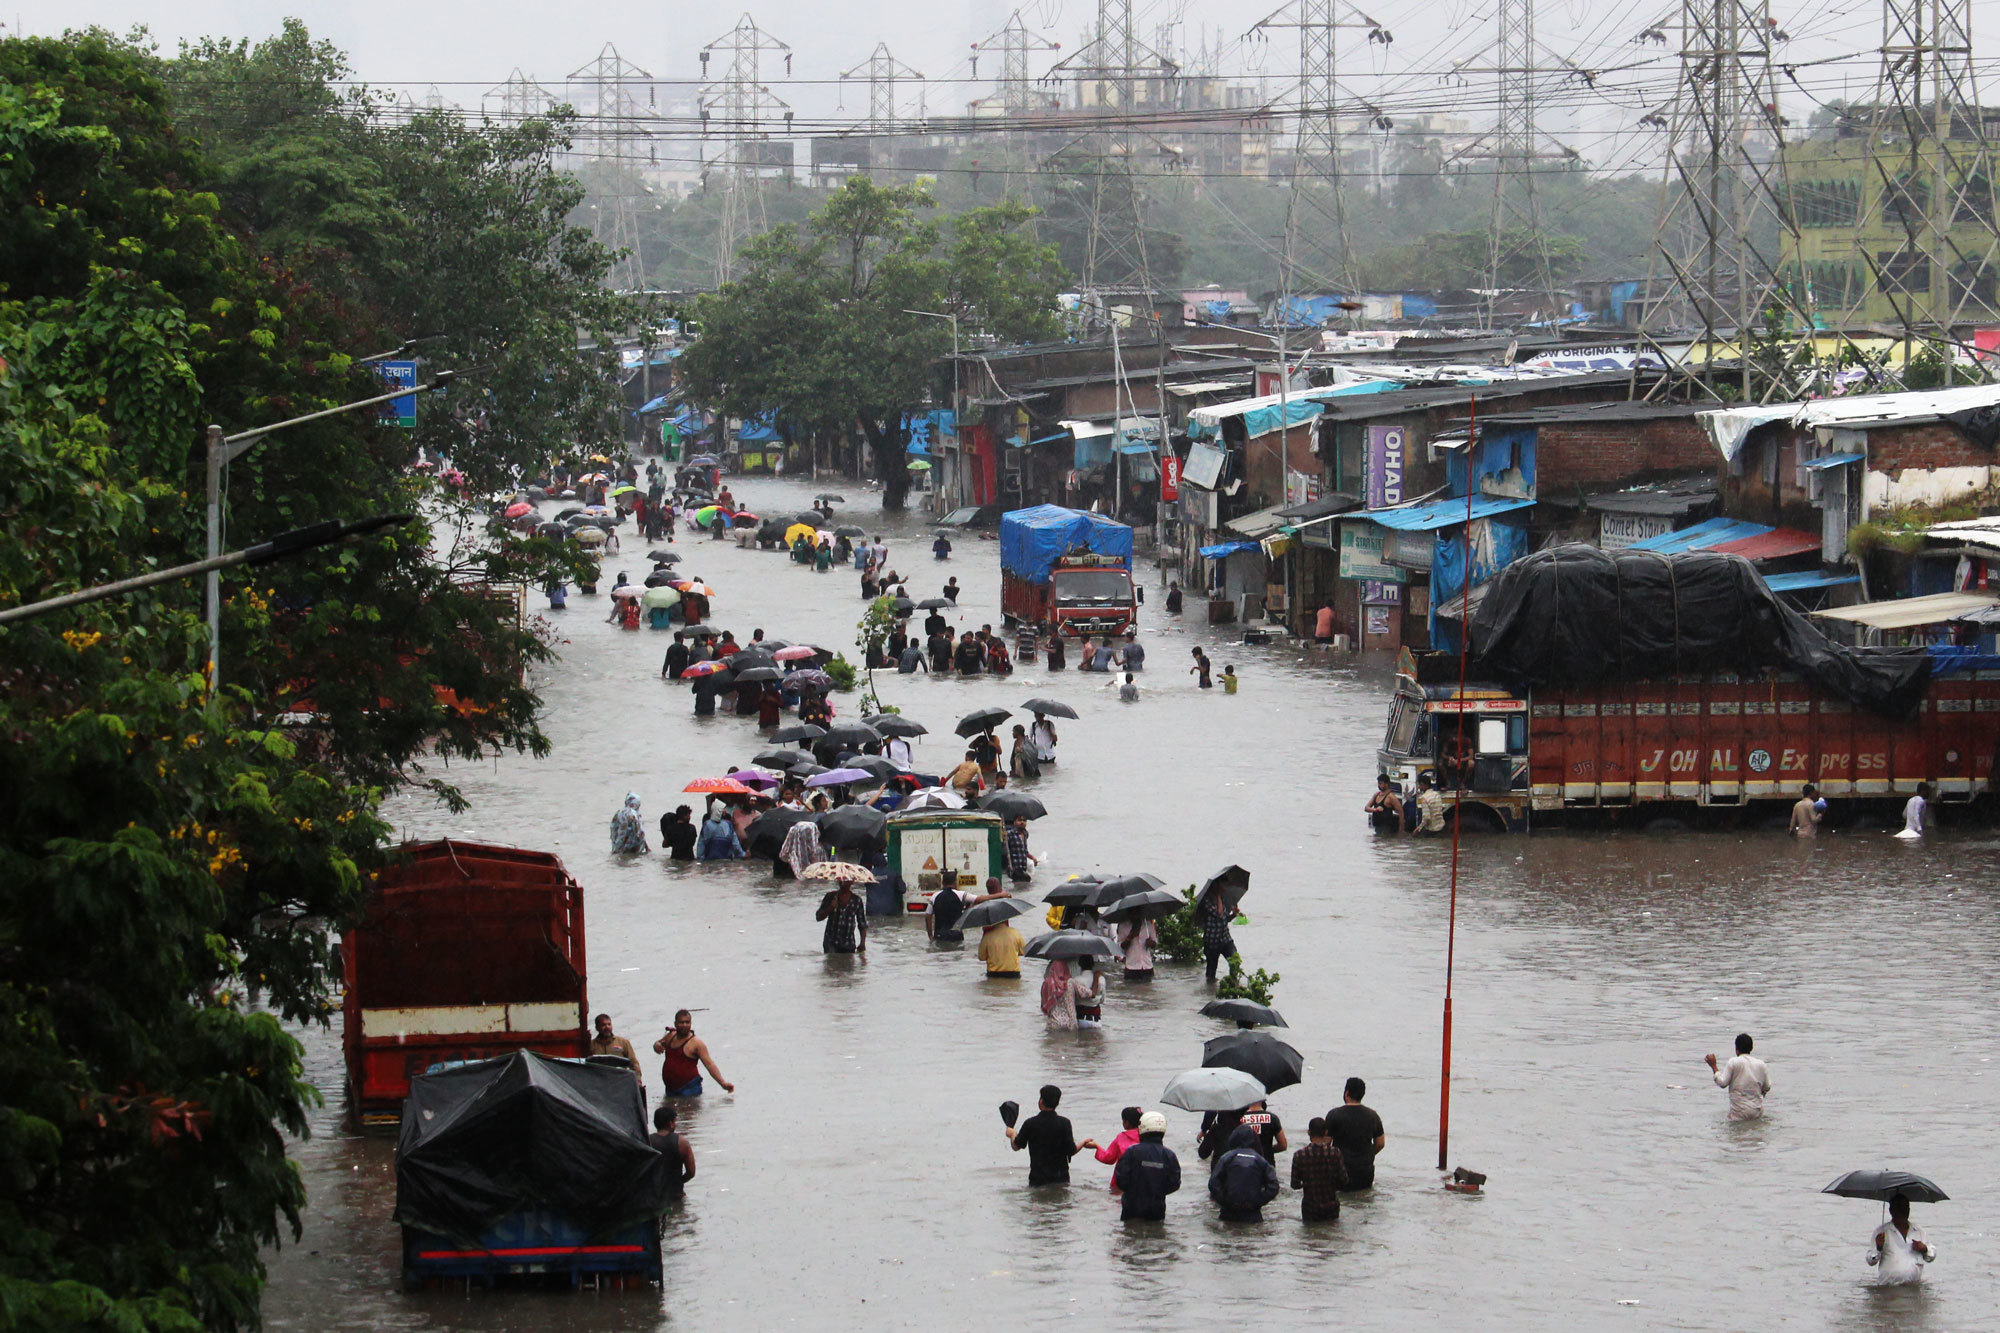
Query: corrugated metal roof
(1257, 525)
(1671, 498)
(1702, 536)
(1910, 612)
(1439, 513)
(1773, 545)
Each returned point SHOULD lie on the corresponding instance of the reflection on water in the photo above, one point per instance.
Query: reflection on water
(859, 1178)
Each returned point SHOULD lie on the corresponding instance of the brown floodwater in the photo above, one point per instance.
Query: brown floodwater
(858, 1177)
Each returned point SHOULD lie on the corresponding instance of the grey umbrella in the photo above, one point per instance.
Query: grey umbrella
(1216, 1089)
(1244, 1011)
(753, 675)
(853, 735)
(1883, 1184)
(895, 724)
(993, 912)
(982, 719)
(1010, 805)
(1067, 944)
(1148, 906)
(934, 604)
(1049, 708)
(798, 731)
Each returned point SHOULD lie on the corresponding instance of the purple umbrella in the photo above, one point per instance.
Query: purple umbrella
(819, 680)
(837, 777)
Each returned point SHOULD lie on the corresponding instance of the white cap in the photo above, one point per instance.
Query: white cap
(1152, 1122)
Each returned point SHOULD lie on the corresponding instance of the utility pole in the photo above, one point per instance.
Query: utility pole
(739, 109)
(1015, 42)
(1927, 238)
(1725, 189)
(882, 70)
(619, 126)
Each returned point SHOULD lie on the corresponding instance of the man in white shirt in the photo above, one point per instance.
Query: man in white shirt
(1898, 1249)
(1916, 813)
(897, 751)
(1746, 1079)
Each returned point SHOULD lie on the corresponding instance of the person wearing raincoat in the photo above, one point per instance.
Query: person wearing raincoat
(718, 836)
(628, 832)
(1058, 997)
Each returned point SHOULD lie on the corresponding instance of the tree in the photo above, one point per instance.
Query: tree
(819, 327)
(166, 852)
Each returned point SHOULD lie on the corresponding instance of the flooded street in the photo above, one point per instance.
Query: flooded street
(858, 1176)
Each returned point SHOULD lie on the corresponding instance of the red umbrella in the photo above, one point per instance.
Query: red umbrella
(516, 510)
(722, 786)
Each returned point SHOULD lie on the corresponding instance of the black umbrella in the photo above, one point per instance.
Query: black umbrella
(993, 911)
(982, 719)
(701, 632)
(1148, 906)
(768, 830)
(934, 604)
(811, 517)
(562, 514)
(1049, 708)
(660, 555)
(849, 530)
(1011, 804)
(1074, 892)
(853, 827)
(1245, 1011)
(772, 645)
(1231, 882)
(1258, 1054)
(752, 657)
(895, 724)
(807, 769)
(1123, 886)
(553, 531)
(854, 735)
(1067, 944)
(837, 499)
(798, 731)
(874, 765)
(783, 760)
(660, 578)
(1884, 1185)
(753, 675)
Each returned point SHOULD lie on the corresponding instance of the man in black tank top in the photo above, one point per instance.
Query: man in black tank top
(670, 1145)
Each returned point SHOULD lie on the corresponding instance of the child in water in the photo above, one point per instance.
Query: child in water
(1229, 678)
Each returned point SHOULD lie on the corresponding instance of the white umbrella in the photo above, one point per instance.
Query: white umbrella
(845, 872)
(933, 798)
(1215, 1089)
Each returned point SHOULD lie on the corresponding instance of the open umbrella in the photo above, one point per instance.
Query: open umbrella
(796, 652)
(753, 675)
(918, 465)
(853, 826)
(708, 514)
(743, 518)
(874, 765)
(902, 606)
(784, 760)
(768, 830)
(728, 786)
(838, 777)
(625, 590)
(655, 599)
(840, 872)
(933, 798)
(811, 517)
(1010, 805)
(1231, 882)
(1148, 906)
(895, 724)
(757, 777)
(1244, 1011)
(798, 731)
(993, 911)
(660, 578)
(1258, 1054)
(1067, 944)
(590, 536)
(564, 513)
(750, 657)
(661, 553)
(701, 631)
(702, 669)
(1119, 887)
(698, 589)
(934, 604)
(982, 719)
(1212, 1089)
(1076, 892)
(818, 680)
(1049, 708)
(623, 490)
(551, 531)
(831, 499)
(849, 530)
(853, 735)
(805, 770)
(798, 530)
(516, 510)
(1884, 1185)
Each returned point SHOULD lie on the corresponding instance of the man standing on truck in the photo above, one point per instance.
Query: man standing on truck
(607, 1042)
(1806, 814)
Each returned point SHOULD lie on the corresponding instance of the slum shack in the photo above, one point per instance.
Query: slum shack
(523, 1167)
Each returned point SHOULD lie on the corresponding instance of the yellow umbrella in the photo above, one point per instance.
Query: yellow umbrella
(797, 530)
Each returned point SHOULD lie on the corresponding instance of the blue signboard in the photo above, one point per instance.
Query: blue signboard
(399, 375)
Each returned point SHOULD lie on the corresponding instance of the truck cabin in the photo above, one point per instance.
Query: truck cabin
(1477, 740)
(1089, 586)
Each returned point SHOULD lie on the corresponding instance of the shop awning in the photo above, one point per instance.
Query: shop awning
(1318, 511)
(1258, 525)
(1708, 533)
(1134, 447)
(1223, 550)
(1776, 544)
(1807, 581)
(1834, 460)
(1910, 612)
(1090, 430)
(1439, 513)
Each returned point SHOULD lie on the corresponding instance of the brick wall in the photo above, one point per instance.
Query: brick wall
(1597, 455)
(1931, 444)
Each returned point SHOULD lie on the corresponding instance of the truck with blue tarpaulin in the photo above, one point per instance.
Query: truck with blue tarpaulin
(1069, 568)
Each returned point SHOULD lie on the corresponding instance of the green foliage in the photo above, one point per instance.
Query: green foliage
(1458, 259)
(872, 633)
(842, 671)
(817, 326)
(1180, 933)
(1236, 986)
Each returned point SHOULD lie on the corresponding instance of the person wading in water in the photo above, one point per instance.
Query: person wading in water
(684, 1057)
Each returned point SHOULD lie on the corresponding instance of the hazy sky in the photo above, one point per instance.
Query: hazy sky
(465, 47)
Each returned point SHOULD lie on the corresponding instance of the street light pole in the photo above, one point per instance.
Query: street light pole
(226, 449)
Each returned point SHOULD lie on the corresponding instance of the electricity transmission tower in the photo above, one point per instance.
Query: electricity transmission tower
(1927, 236)
(882, 70)
(520, 98)
(1014, 42)
(742, 110)
(621, 100)
(1726, 203)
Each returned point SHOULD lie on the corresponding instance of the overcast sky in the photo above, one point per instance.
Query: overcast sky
(467, 46)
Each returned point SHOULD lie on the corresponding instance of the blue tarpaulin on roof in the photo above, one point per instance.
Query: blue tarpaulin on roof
(1809, 579)
(758, 431)
(1711, 532)
(1135, 447)
(653, 405)
(1833, 460)
(1439, 513)
(1224, 549)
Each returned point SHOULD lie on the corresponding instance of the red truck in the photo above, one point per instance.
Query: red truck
(1719, 746)
(464, 951)
(1069, 567)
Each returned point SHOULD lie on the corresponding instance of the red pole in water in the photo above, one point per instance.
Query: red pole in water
(1458, 797)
